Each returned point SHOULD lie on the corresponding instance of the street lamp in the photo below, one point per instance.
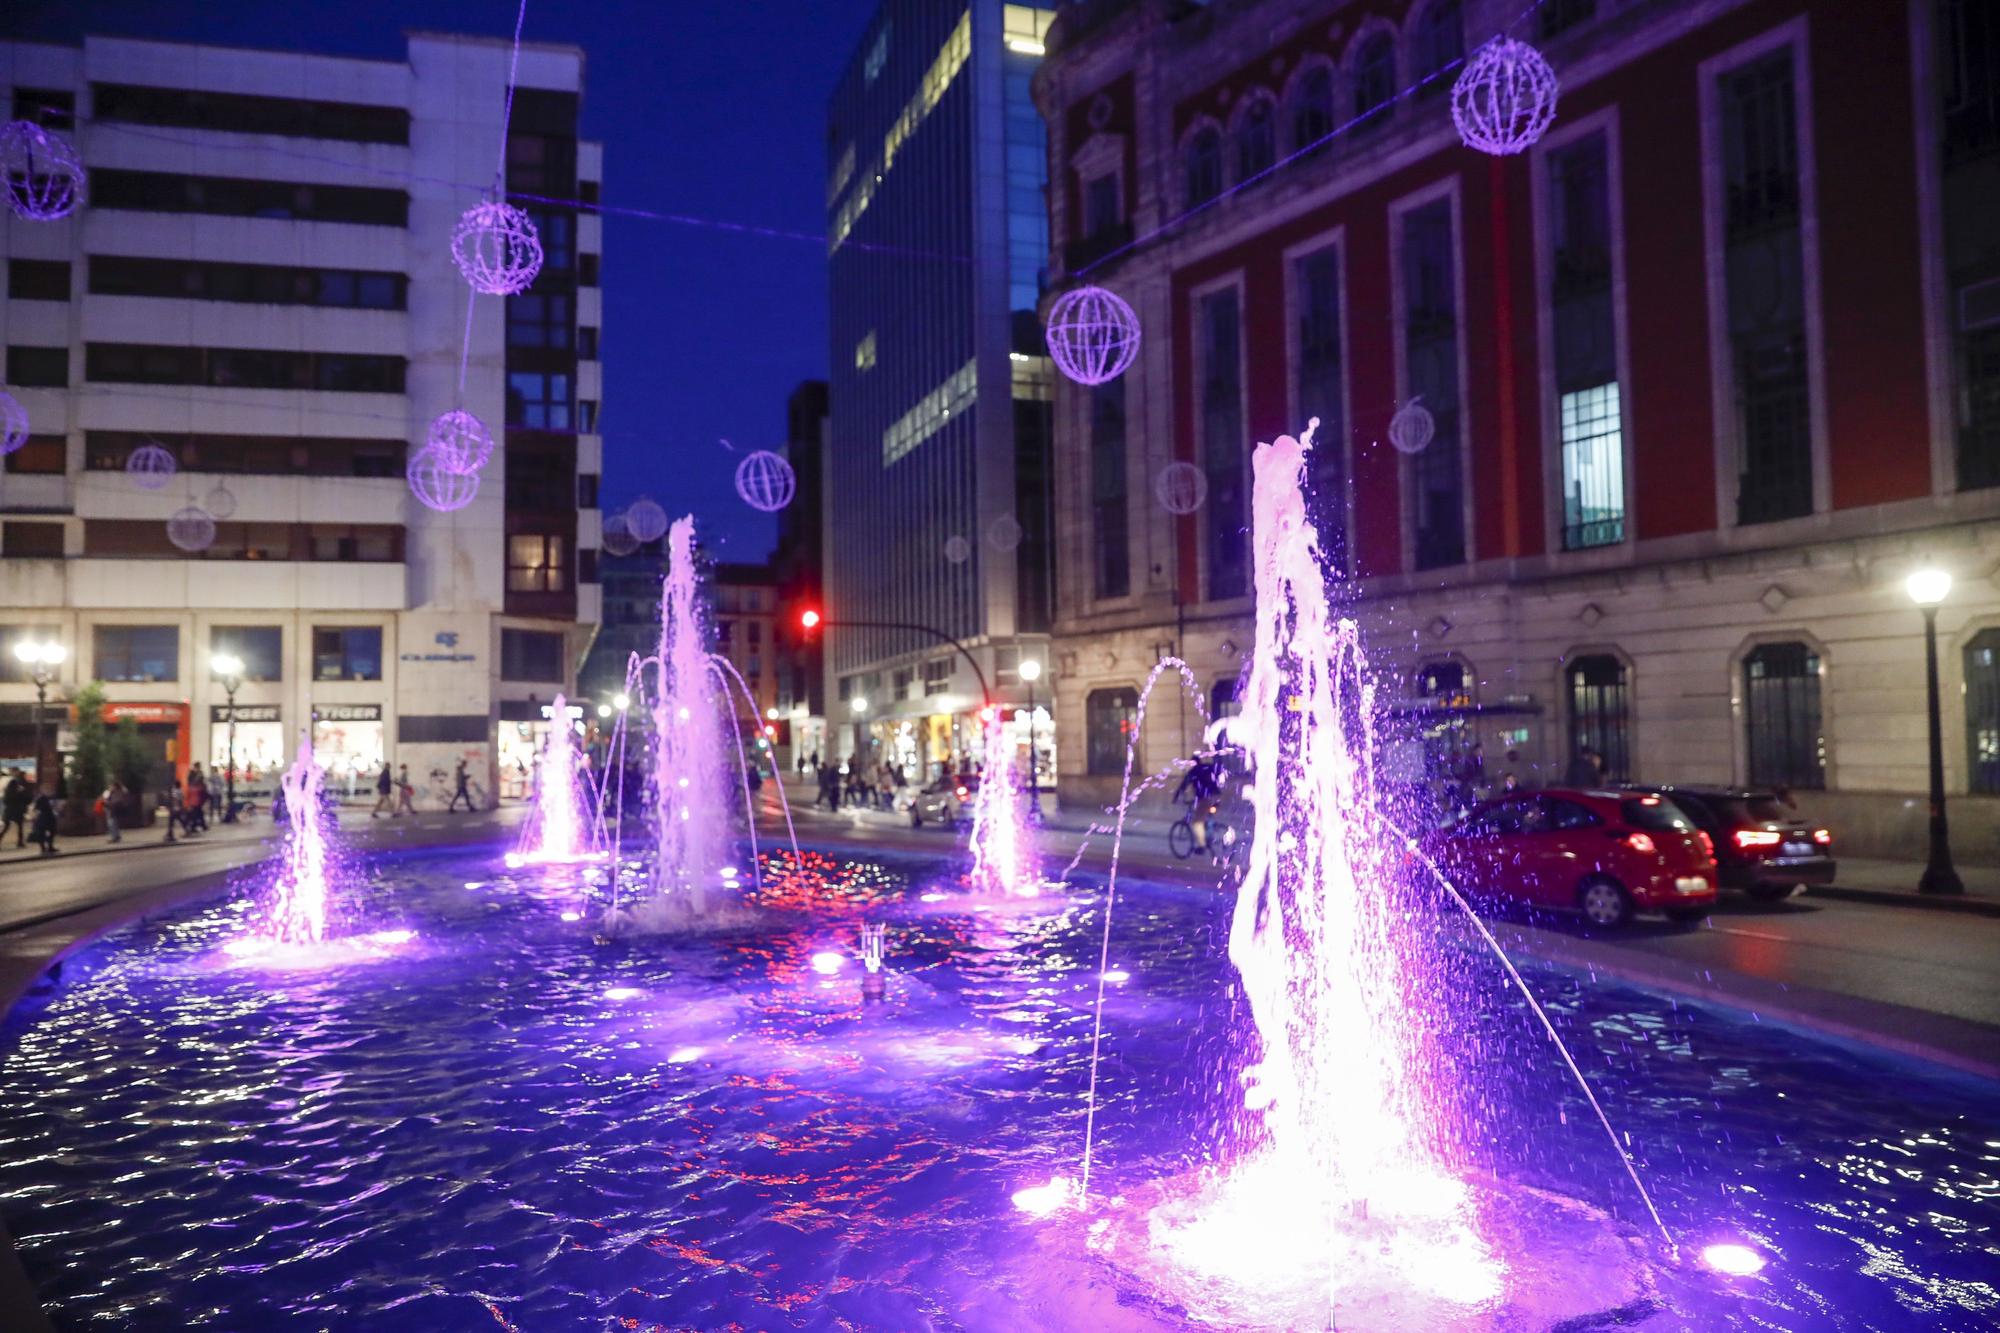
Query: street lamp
(1031, 671)
(858, 704)
(621, 702)
(228, 668)
(41, 659)
(1928, 587)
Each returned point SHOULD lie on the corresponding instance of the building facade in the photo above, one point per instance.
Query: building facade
(938, 488)
(260, 283)
(1712, 369)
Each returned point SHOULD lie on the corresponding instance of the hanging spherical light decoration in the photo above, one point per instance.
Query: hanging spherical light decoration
(496, 247)
(13, 423)
(1004, 533)
(1505, 97)
(220, 502)
(1181, 488)
(765, 481)
(437, 481)
(191, 528)
(957, 549)
(462, 441)
(1413, 427)
(150, 467)
(618, 538)
(1092, 334)
(43, 173)
(646, 519)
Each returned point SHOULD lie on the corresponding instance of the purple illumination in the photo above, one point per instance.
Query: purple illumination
(558, 831)
(1733, 1260)
(43, 173)
(13, 423)
(1181, 488)
(1093, 335)
(1413, 427)
(689, 791)
(460, 441)
(191, 528)
(827, 962)
(765, 481)
(440, 485)
(150, 467)
(1003, 853)
(1505, 97)
(618, 537)
(645, 519)
(298, 909)
(497, 249)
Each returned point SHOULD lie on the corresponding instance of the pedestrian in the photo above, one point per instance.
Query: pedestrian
(14, 803)
(193, 818)
(112, 805)
(1583, 770)
(462, 793)
(828, 793)
(45, 823)
(384, 784)
(408, 792)
(170, 801)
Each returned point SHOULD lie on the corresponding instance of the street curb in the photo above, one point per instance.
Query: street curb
(1924, 902)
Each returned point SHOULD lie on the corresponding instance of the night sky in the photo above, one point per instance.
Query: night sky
(711, 110)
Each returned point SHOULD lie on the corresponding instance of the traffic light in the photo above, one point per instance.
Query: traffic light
(809, 619)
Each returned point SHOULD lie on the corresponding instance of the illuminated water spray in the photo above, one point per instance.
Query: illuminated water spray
(560, 828)
(1003, 851)
(299, 894)
(691, 800)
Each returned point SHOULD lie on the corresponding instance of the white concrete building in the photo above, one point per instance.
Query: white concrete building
(260, 281)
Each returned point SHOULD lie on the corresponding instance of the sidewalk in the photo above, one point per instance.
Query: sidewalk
(1895, 882)
(247, 830)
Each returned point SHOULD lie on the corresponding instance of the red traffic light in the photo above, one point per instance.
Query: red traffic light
(809, 618)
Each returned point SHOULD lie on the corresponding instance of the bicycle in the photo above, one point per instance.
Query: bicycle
(1221, 841)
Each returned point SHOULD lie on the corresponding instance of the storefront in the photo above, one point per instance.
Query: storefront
(163, 731)
(257, 743)
(524, 731)
(349, 744)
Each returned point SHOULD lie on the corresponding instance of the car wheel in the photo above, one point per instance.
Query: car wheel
(1772, 893)
(1687, 916)
(1604, 903)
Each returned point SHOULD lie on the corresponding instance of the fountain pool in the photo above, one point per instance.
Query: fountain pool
(509, 1123)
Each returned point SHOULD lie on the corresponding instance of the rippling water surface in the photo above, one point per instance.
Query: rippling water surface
(503, 1123)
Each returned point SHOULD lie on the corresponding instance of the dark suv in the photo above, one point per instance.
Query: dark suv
(1761, 846)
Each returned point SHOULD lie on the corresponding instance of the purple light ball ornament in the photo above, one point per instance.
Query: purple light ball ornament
(1004, 533)
(220, 502)
(1092, 334)
(150, 467)
(1413, 427)
(496, 247)
(13, 423)
(1181, 488)
(437, 481)
(646, 519)
(957, 549)
(191, 528)
(1505, 97)
(461, 440)
(617, 538)
(766, 481)
(43, 173)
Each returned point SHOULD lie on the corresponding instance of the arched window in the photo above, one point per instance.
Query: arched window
(1375, 81)
(1109, 718)
(1600, 716)
(1312, 107)
(1256, 138)
(1437, 41)
(1781, 718)
(1204, 165)
(1982, 712)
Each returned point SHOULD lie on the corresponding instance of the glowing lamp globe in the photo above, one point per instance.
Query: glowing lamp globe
(1412, 428)
(191, 528)
(618, 538)
(150, 467)
(43, 173)
(1928, 586)
(957, 549)
(1181, 488)
(461, 440)
(1505, 97)
(646, 519)
(1092, 334)
(1004, 533)
(438, 482)
(13, 423)
(220, 502)
(497, 249)
(765, 481)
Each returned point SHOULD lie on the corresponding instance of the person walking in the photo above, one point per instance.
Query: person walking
(408, 792)
(194, 817)
(385, 783)
(170, 801)
(14, 803)
(462, 793)
(45, 823)
(113, 803)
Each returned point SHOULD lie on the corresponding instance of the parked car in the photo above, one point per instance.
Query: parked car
(1606, 854)
(1761, 845)
(946, 801)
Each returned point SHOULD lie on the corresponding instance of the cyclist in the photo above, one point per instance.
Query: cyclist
(1199, 787)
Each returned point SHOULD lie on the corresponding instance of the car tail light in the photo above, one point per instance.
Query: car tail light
(1707, 843)
(961, 793)
(1746, 838)
(1641, 843)
(1822, 837)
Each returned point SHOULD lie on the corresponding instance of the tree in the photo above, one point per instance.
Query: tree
(132, 765)
(87, 764)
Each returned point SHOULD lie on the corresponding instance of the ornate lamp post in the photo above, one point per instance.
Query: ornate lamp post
(228, 669)
(1928, 587)
(1031, 671)
(42, 660)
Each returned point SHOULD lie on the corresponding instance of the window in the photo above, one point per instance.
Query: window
(1436, 47)
(347, 652)
(1221, 389)
(1375, 81)
(539, 320)
(1781, 718)
(586, 415)
(265, 284)
(535, 563)
(538, 481)
(42, 455)
(1225, 697)
(315, 456)
(1316, 289)
(1204, 165)
(1567, 815)
(937, 676)
(1764, 277)
(903, 681)
(1982, 712)
(543, 164)
(38, 367)
(260, 647)
(51, 108)
(557, 233)
(40, 540)
(243, 113)
(170, 192)
(1562, 15)
(1585, 346)
(586, 270)
(1312, 108)
(1256, 138)
(1110, 546)
(539, 400)
(1430, 330)
(535, 655)
(1599, 713)
(242, 368)
(141, 653)
(38, 279)
(1109, 719)
(1968, 61)
(586, 343)
(1103, 205)
(586, 490)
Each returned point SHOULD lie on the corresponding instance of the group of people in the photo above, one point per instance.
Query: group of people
(866, 787)
(396, 794)
(17, 801)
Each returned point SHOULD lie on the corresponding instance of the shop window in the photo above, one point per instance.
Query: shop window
(1110, 717)
(1781, 716)
(1600, 713)
(347, 652)
(259, 647)
(1982, 712)
(531, 655)
(136, 653)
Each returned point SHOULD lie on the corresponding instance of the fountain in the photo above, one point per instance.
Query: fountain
(298, 908)
(559, 830)
(691, 797)
(1003, 852)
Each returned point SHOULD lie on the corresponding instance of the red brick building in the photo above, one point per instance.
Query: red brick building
(1713, 367)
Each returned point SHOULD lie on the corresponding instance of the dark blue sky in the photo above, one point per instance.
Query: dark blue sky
(712, 110)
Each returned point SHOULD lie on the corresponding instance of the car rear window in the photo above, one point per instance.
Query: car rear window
(1756, 809)
(1654, 812)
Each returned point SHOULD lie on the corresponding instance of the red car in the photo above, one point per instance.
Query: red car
(1606, 854)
